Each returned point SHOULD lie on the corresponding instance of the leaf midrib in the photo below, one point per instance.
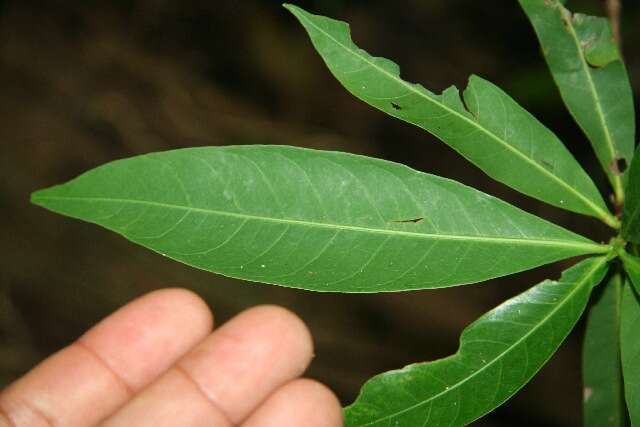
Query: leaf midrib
(587, 201)
(569, 296)
(596, 99)
(590, 247)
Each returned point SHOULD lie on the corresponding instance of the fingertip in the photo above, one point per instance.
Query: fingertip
(190, 304)
(300, 402)
(247, 358)
(319, 399)
(158, 328)
(283, 324)
(168, 304)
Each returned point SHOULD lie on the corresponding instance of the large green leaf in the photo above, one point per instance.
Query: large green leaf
(317, 220)
(487, 127)
(603, 402)
(498, 354)
(631, 212)
(587, 67)
(632, 267)
(630, 349)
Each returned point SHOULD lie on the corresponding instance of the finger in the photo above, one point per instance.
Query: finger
(172, 401)
(90, 379)
(301, 402)
(228, 374)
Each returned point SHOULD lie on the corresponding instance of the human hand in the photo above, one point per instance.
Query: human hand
(156, 363)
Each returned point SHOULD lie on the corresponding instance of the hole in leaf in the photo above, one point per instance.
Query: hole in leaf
(396, 106)
(618, 166)
(622, 165)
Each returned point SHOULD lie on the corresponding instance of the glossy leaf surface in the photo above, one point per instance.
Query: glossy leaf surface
(603, 393)
(316, 220)
(631, 212)
(587, 67)
(630, 349)
(499, 353)
(487, 127)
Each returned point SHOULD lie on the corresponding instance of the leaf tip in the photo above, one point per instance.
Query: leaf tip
(292, 8)
(40, 197)
(36, 197)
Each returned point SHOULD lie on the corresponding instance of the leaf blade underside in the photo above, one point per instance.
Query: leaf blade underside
(590, 74)
(630, 348)
(498, 355)
(631, 265)
(631, 211)
(603, 399)
(323, 221)
(486, 126)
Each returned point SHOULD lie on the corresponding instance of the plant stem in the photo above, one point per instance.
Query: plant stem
(611, 221)
(616, 245)
(613, 11)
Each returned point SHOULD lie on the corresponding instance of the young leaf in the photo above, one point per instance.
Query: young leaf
(486, 126)
(603, 402)
(316, 220)
(587, 67)
(631, 212)
(630, 350)
(498, 354)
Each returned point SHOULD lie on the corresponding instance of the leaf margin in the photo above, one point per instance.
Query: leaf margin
(599, 268)
(572, 245)
(593, 202)
(624, 148)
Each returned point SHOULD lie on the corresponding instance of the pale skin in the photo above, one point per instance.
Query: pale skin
(159, 362)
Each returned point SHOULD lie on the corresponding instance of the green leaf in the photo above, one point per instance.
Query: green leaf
(630, 350)
(487, 127)
(588, 69)
(631, 212)
(632, 267)
(498, 354)
(316, 220)
(603, 403)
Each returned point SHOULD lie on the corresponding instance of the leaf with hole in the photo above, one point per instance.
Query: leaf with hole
(337, 222)
(586, 65)
(486, 126)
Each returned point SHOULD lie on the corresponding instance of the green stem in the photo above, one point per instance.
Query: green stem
(611, 220)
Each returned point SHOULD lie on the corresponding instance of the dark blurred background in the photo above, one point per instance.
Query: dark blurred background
(86, 82)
